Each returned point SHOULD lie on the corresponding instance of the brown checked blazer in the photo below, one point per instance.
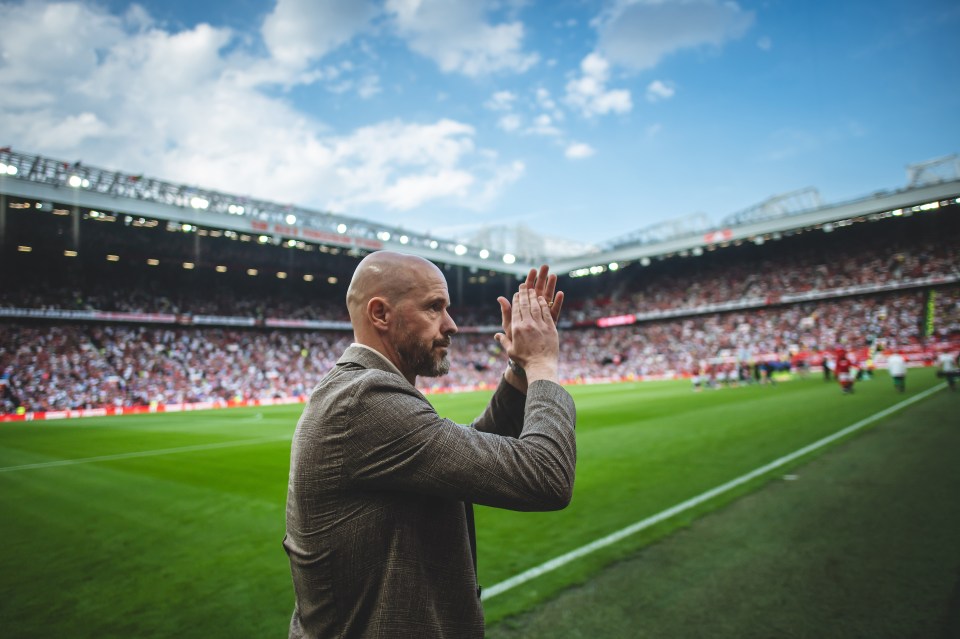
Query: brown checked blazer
(379, 514)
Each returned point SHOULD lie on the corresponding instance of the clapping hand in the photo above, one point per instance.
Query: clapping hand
(530, 325)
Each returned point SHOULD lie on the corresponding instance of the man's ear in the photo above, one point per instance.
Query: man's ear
(379, 313)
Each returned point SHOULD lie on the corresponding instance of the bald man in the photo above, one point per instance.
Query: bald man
(380, 500)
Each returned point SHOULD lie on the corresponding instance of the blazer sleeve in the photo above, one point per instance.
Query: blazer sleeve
(395, 440)
(504, 414)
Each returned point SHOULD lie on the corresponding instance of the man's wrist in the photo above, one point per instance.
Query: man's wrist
(517, 369)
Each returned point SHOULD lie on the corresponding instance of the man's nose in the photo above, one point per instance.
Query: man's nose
(450, 327)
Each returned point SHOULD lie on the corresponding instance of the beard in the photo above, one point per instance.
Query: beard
(422, 358)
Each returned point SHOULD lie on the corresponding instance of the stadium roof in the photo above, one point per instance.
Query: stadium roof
(79, 185)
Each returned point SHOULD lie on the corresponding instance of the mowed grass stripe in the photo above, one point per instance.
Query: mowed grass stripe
(143, 453)
(663, 515)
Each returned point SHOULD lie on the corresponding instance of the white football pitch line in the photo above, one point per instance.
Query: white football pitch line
(144, 453)
(613, 538)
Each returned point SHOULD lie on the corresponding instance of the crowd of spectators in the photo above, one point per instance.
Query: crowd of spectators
(892, 252)
(771, 271)
(48, 366)
(64, 366)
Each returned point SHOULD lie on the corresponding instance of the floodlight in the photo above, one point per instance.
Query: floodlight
(460, 249)
(484, 254)
(291, 218)
(341, 228)
(69, 253)
(434, 244)
(509, 258)
(404, 239)
(75, 181)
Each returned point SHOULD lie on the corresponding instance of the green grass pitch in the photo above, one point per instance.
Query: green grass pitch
(169, 525)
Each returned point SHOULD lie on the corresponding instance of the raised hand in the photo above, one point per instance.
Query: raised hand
(529, 325)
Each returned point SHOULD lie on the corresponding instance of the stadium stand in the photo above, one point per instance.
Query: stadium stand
(219, 317)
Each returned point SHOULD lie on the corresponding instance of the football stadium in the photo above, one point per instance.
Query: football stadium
(157, 342)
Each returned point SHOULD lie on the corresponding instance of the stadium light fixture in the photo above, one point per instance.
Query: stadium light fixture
(460, 249)
(7, 169)
(263, 239)
(24, 249)
(291, 219)
(69, 253)
(199, 202)
(644, 261)
(613, 266)
(484, 254)
(291, 243)
(509, 258)
(251, 272)
(281, 275)
(331, 280)
(697, 251)
(341, 228)
(308, 278)
(113, 258)
(221, 269)
(434, 244)
(404, 239)
(189, 265)
(153, 262)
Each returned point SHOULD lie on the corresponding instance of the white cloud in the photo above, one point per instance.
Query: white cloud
(456, 35)
(298, 32)
(411, 191)
(659, 90)
(510, 122)
(579, 151)
(501, 101)
(638, 34)
(188, 106)
(588, 93)
(543, 125)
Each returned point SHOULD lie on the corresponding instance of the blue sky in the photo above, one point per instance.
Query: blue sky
(579, 119)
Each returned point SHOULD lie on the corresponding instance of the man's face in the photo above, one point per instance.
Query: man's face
(424, 329)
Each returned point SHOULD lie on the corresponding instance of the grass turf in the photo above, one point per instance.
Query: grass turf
(860, 542)
(187, 543)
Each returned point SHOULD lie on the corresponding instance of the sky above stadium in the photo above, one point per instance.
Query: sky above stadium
(584, 120)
